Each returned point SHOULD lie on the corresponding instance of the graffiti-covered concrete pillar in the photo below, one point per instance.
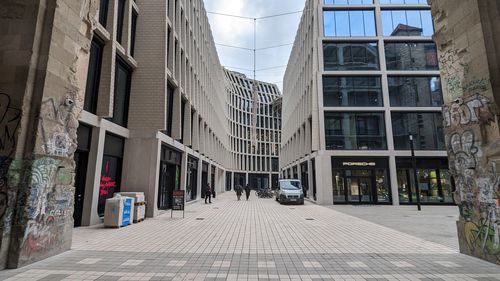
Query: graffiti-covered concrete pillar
(468, 39)
(43, 67)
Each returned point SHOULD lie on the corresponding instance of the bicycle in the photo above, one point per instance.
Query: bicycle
(264, 193)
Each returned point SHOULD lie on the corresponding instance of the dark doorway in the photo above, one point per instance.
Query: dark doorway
(111, 171)
(204, 178)
(81, 163)
(229, 175)
(192, 179)
(304, 177)
(274, 184)
(313, 165)
(258, 181)
(170, 166)
(212, 182)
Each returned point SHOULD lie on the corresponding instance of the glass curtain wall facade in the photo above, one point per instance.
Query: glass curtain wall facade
(254, 153)
(378, 82)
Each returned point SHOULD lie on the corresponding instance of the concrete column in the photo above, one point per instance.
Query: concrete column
(394, 180)
(324, 183)
(91, 196)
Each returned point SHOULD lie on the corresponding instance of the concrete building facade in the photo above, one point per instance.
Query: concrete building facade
(363, 76)
(254, 161)
(468, 38)
(44, 56)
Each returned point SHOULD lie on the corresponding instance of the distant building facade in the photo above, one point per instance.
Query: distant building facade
(361, 78)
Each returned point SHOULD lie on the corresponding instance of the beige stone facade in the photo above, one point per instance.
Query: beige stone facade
(468, 38)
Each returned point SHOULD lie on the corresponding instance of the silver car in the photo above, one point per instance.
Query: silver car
(290, 191)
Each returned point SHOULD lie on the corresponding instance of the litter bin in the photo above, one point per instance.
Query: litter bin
(139, 205)
(118, 211)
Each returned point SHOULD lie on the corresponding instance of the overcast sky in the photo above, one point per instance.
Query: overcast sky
(270, 32)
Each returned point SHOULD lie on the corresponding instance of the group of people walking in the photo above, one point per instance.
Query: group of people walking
(239, 191)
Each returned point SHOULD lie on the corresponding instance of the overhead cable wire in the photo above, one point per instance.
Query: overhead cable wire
(235, 47)
(272, 67)
(257, 18)
(250, 49)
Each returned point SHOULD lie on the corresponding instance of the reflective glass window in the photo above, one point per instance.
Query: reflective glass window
(352, 91)
(346, 2)
(426, 127)
(355, 131)
(415, 91)
(411, 56)
(350, 56)
(407, 23)
(349, 23)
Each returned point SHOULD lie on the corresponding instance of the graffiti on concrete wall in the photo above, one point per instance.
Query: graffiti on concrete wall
(58, 126)
(471, 109)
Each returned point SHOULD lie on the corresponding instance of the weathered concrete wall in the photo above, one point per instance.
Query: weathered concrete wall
(469, 58)
(44, 54)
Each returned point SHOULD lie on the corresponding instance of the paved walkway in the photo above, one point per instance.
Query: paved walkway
(255, 240)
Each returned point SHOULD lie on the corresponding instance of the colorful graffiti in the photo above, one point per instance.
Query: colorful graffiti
(464, 111)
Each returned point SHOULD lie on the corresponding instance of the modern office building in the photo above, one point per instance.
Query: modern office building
(254, 149)
(155, 117)
(363, 75)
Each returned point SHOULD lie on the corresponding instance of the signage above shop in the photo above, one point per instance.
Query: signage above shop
(359, 164)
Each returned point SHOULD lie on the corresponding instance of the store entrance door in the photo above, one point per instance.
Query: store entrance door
(168, 174)
(360, 186)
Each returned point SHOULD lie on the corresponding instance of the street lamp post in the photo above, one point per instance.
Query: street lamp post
(415, 176)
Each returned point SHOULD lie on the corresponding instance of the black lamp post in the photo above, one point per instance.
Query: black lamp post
(415, 176)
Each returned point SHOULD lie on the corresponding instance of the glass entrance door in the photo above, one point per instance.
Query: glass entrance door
(359, 185)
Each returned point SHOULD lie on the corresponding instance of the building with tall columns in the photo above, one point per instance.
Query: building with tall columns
(468, 40)
(362, 77)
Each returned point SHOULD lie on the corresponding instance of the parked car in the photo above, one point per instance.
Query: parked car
(290, 191)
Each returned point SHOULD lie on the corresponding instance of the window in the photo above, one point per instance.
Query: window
(415, 91)
(427, 130)
(275, 164)
(121, 15)
(411, 56)
(350, 56)
(355, 131)
(123, 75)
(352, 91)
(94, 75)
(349, 23)
(103, 12)
(170, 108)
(344, 2)
(133, 32)
(403, 1)
(111, 171)
(407, 23)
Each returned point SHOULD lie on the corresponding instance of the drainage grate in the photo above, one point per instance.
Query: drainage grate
(309, 219)
(292, 208)
(215, 208)
(200, 219)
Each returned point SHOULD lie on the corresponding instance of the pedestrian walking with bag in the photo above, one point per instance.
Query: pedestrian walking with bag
(247, 191)
(239, 191)
(208, 194)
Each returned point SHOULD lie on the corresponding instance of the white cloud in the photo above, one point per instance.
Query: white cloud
(270, 32)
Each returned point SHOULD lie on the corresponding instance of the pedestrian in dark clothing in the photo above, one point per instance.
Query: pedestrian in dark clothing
(213, 192)
(208, 194)
(238, 190)
(247, 191)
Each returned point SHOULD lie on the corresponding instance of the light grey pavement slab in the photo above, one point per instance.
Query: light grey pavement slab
(433, 223)
(255, 240)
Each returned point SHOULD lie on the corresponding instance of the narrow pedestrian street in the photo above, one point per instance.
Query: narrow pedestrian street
(254, 240)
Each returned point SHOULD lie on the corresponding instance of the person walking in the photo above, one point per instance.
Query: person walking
(208, 194)
(238, 190)
(247, 191)
(213, 192)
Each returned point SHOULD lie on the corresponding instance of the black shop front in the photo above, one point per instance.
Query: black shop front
(361, 180)
(170, 175)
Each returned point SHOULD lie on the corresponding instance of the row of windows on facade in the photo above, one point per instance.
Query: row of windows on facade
(242, 104)
(362, 23)
(366, 130)
(247, 96)
(262, 148)
(366, 91)
(103, 19)
(244, 132)
(246, 85)
(261, 121)
(257, 163)
(365, 56)
(358, 2)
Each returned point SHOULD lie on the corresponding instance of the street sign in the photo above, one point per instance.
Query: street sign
(178, 202)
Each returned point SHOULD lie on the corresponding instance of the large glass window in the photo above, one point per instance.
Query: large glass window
(352, 91)
(350, 56)
(411, 56)
(355, 131)
(403, 1)
(349, 23)
(426, 128)
(119, 24)
(94, 75)
(407, 23)
(348, 2)
(415, 91)
(111, 170)
(123, 75)
(133, 33)
(103, 12)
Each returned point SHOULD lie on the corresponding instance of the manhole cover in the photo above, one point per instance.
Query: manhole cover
(309, 219)
(215, 208)
(200, 219)
(292, 208)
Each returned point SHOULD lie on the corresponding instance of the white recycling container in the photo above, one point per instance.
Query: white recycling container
(139, 205)
(118, 211)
